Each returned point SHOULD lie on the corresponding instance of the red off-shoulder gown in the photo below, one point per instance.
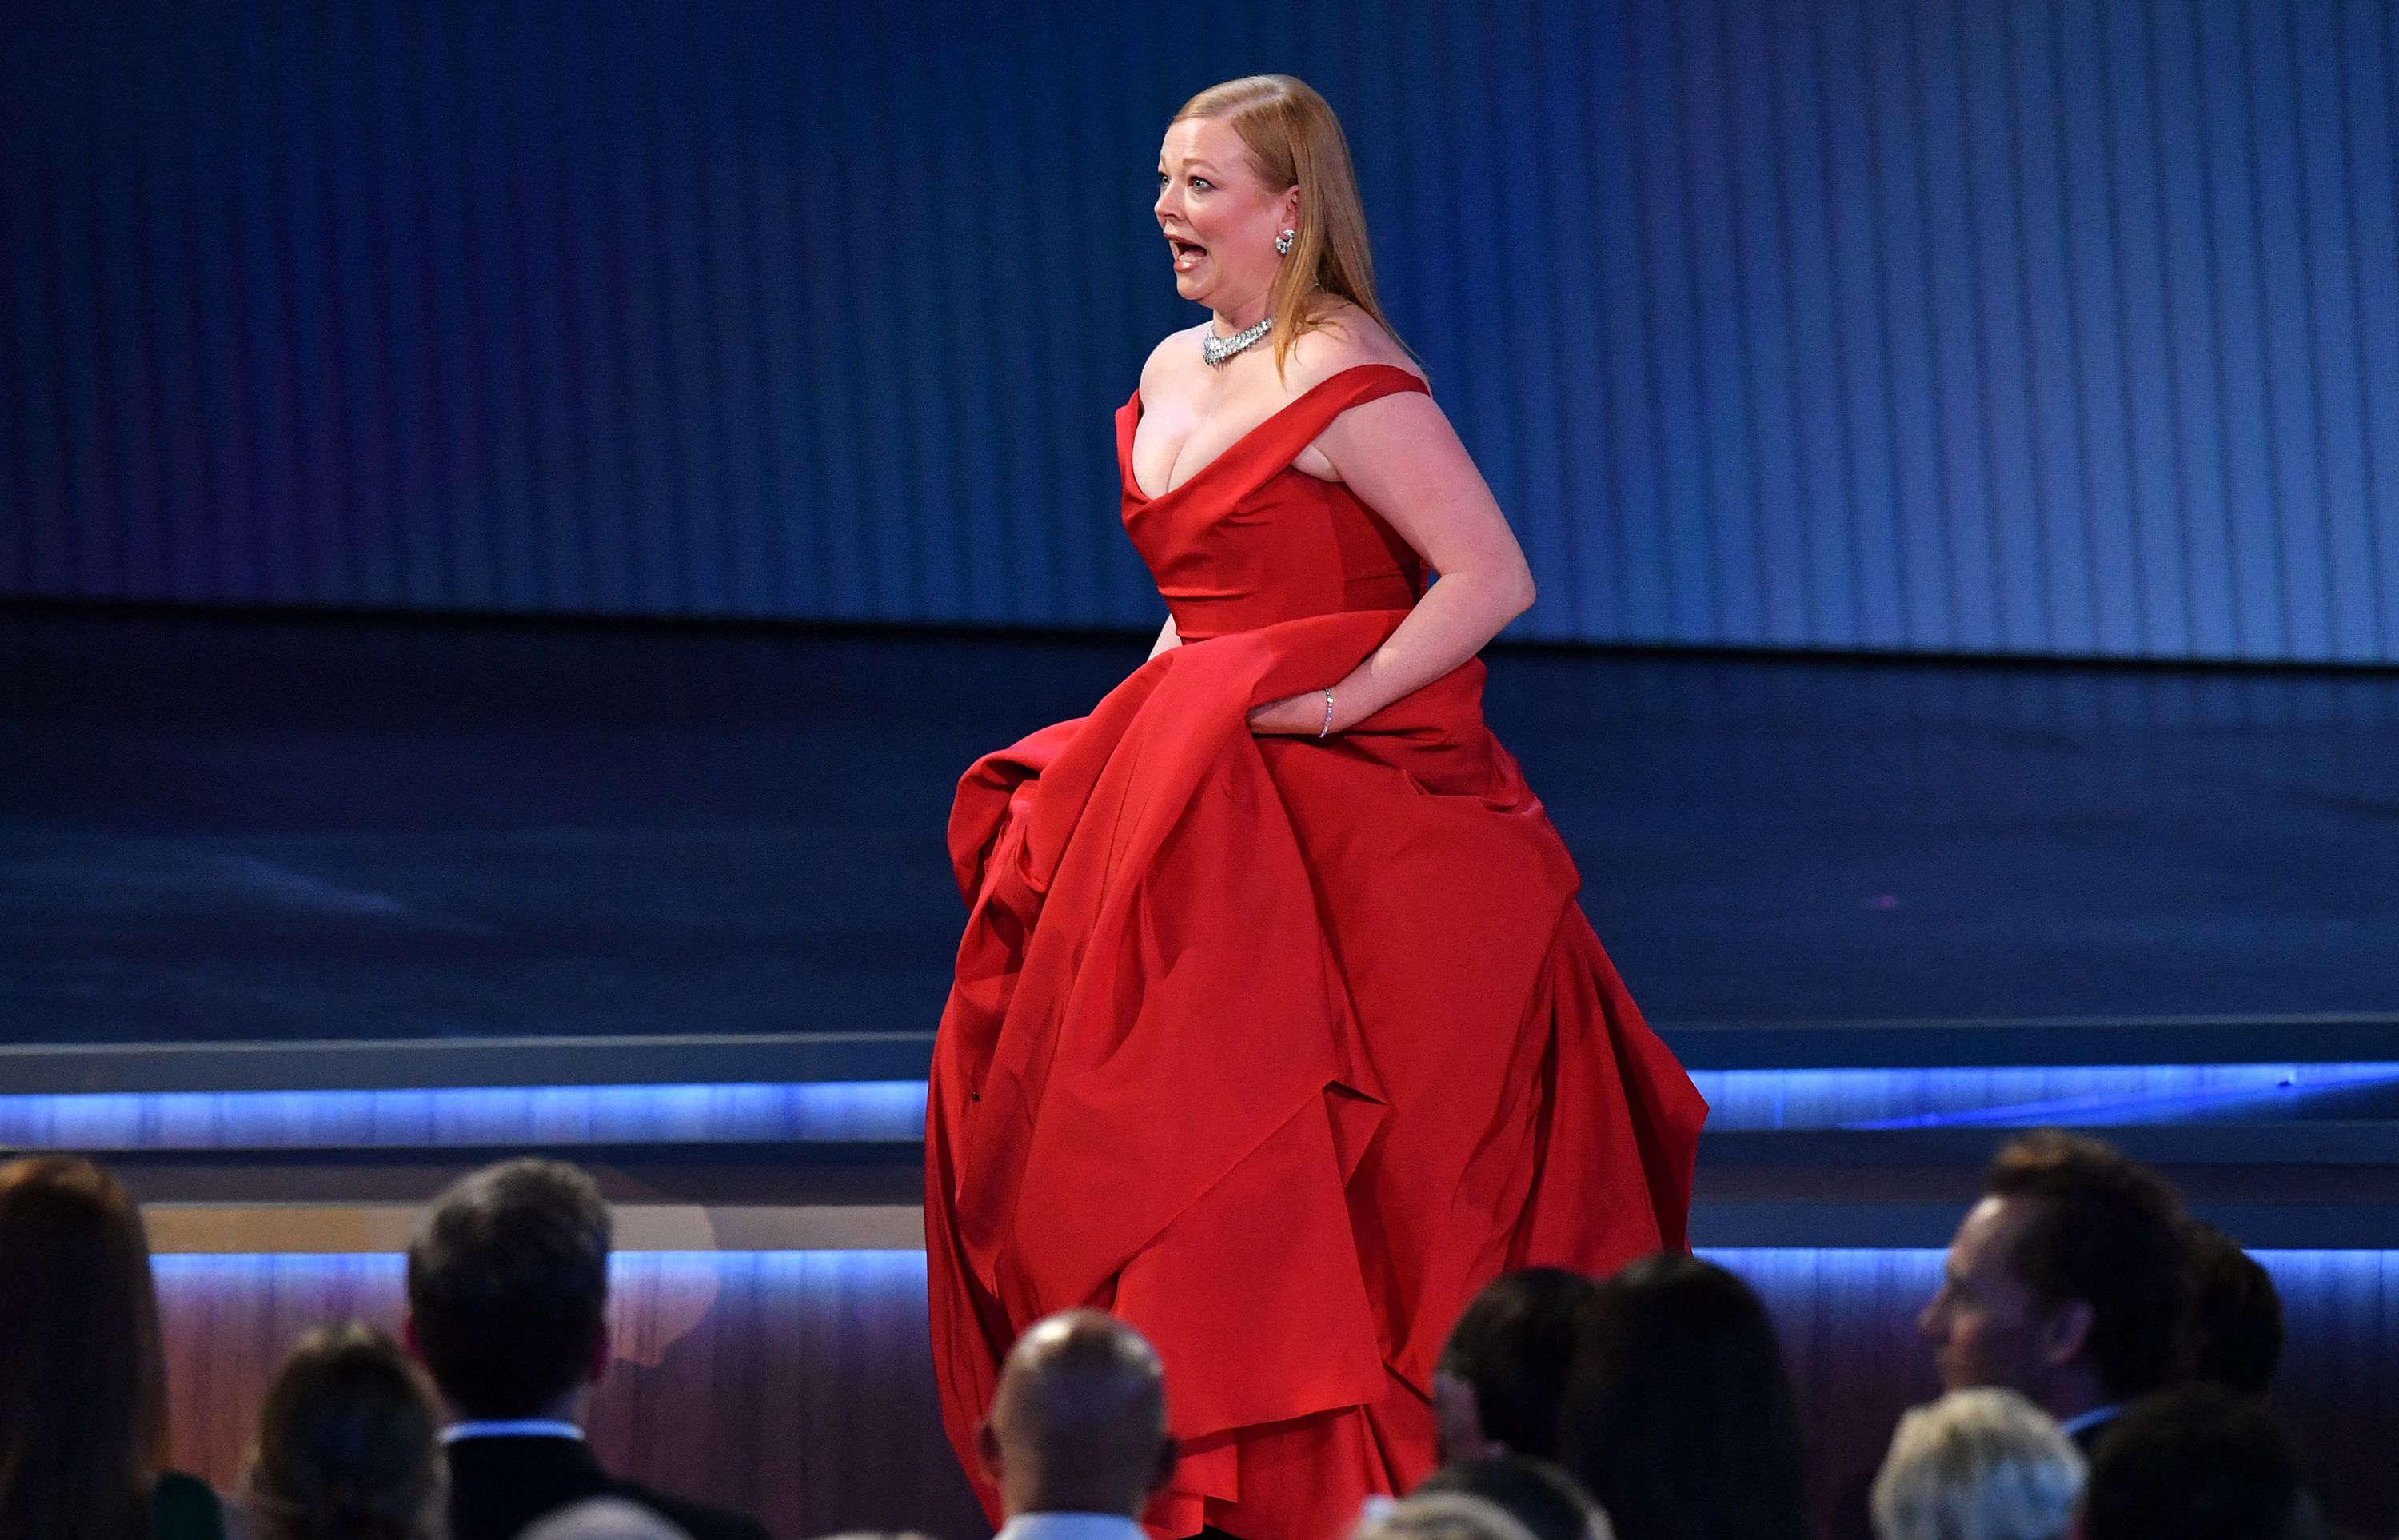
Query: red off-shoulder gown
(1278, 1048)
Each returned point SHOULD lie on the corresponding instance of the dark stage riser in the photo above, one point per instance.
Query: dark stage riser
(297, 829)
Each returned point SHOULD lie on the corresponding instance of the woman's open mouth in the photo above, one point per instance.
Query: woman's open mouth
(1187, 254)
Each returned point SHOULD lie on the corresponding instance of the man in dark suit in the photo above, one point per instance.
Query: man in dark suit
(2069, 1283)
(507, 1293)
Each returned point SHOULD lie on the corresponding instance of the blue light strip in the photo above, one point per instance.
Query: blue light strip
(1740, 1101)
(1769, 1267)
(454, 1116)
(2030, 1096)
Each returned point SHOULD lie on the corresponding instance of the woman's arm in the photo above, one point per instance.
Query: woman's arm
(1405, 461)
(1167, 637)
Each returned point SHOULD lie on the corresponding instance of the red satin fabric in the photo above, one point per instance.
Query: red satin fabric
(1278, 1048)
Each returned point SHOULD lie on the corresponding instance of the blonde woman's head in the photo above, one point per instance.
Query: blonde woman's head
(1244, 163)
(1977, 1464)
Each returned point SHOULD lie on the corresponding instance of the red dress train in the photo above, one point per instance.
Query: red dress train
(1278, 1048)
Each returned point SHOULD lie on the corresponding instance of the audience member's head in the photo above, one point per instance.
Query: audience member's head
(1977, 1464)
(2067, 1282)
(2236, 1339)
(508, 1291)
(1439, 1516)
(1078, 1424)
(1496, 1389)
(1678, 1417)
(2197, 1462)
(603, 1519)
(83, 1394)
(349, 1444)
(1540, 1497)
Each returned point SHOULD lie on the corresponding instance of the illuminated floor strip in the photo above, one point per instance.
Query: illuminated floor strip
(894, 1110)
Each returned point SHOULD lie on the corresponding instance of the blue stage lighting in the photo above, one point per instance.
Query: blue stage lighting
(2101, 1096)
(2096, 1096)
(451, 1117)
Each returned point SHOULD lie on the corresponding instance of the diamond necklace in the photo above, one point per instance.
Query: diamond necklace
(1214, 350)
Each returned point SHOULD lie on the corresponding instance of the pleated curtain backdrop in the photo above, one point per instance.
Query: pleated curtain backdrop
(2062, 327)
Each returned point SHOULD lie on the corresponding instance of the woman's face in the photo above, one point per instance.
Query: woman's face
(1219, 219)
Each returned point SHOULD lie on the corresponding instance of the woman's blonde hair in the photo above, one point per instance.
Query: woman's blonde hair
(1450, 1515)
(1293, 140)
(1977, 1464)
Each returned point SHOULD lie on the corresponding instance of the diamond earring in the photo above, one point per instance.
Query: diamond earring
(1283, 242)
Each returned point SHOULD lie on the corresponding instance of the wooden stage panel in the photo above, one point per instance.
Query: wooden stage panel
(795, 1384)
(798, 1384)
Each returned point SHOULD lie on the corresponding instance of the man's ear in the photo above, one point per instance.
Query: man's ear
(2065, 1334)
(603, 1349)
(987, 1452)
(408, 1338)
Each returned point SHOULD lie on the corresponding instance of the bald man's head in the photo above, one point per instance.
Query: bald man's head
(1079, 1423)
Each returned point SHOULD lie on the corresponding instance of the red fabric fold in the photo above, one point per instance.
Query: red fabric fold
(1278, 1048)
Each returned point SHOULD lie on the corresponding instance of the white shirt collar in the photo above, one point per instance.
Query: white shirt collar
(511, 1427)
(2092, 1418)
(1071, 1526)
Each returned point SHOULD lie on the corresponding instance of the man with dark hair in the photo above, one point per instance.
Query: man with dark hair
(2197, 1462)
(2069, 1283)
(2236, 1314)
(507, 1297)
(1076, 1439)
(1503, 1373)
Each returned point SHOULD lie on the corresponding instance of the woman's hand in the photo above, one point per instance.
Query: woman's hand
(1302, 713)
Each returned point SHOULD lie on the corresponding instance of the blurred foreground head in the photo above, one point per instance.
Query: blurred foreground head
(507, 1289)
(1503, 1372)
(1549, 1504)
(350, 1443)
(1078, 1424)
(2198, 1463)
(83, 1378)
(1977, 1464)
(2236, 1313)
(603, 1519)
(1679, 1418)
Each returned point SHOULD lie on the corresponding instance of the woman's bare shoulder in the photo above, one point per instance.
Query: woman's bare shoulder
(1168, 363)
(1344, 338)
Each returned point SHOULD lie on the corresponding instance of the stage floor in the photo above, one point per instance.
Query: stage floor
(241, 828)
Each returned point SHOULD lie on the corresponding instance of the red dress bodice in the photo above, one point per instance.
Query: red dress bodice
(1249, 539)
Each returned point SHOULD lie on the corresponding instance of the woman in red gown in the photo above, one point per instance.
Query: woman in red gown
(1276, 1029)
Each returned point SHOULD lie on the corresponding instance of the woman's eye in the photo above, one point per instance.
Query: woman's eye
(1199, 182)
